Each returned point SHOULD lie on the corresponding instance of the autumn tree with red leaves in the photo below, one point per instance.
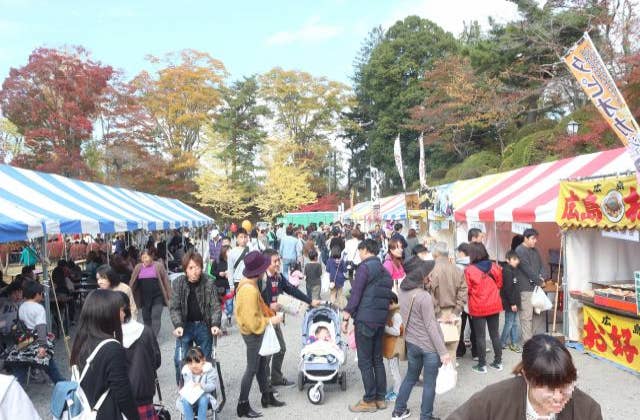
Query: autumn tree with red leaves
(53, 101)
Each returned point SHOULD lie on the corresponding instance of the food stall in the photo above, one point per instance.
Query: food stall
(600, 217)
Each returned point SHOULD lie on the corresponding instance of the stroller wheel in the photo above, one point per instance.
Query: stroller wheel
(316, 395)
(343, 381)
(300, 381)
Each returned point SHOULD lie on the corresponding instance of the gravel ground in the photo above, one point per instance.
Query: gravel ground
(615, 390)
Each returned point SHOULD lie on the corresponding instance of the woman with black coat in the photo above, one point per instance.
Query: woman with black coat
(100, 321)
(143, 357)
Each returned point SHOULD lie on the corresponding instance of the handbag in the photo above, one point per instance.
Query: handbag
(449, 332)
(402, 340)
(270, 344)
(161, 410)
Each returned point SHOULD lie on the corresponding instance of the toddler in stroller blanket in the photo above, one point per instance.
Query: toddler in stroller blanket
(322, 343)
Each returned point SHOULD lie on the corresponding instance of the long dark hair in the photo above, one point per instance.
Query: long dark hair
(99, 320)
(108, 273)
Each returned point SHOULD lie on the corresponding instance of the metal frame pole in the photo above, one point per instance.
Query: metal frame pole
(45, 276)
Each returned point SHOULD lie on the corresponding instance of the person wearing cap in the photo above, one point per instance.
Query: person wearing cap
(532, 266)
(253, 315)
(215, 245)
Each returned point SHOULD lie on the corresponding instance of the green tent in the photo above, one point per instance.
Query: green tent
(306, 218)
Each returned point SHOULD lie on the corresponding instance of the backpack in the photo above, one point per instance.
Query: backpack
(69, 402)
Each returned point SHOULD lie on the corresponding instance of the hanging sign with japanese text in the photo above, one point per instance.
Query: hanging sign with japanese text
(606, 203)
(611, 336)
(587, 66)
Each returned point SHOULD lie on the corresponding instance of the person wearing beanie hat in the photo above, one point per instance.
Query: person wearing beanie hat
(253, 315)
(426, 350)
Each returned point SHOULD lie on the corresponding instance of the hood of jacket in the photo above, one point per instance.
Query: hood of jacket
(206, 368)
(131, 331)
(484, 265)
(416, 270)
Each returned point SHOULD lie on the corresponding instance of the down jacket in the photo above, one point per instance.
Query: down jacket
(484, 281)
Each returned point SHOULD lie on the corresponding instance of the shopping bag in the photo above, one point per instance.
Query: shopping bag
(325, 280)
(540, 301)
(351, 339)
(400, 349)
(447, 378)
(450, 332)
(270, 344)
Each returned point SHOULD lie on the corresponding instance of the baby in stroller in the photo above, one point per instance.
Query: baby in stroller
(323, 352)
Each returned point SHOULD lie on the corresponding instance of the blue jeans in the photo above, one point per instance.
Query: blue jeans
(418, 360)
(202, 404)
(193, 332)
(511, 328)
(20, 371)
(286, 263)
(369, 350)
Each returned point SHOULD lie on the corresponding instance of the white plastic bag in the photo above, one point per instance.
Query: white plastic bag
(270, 344)
(540, 301)
(325, 280)
(447, 378)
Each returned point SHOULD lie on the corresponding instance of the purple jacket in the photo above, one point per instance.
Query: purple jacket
(214, 249)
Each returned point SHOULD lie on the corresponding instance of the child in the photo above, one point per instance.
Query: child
(295, 274)
(510, 293)
(392, 331)
(313, 274)
(199, 374)
(336, 268)
(322, 343)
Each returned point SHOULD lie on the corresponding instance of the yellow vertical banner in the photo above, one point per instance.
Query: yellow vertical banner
(586, 65)
(611, 336)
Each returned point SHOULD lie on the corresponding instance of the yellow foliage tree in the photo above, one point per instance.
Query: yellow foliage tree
(287, 184)
(228, 200)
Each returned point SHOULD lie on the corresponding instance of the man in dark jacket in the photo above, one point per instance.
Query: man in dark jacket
(275, 285)
(369, 306)
(195, 309)
(512, 279)
(531, 264)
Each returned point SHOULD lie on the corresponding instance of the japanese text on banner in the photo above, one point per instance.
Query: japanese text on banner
(587, 66)
(607, 203)
(613, 337)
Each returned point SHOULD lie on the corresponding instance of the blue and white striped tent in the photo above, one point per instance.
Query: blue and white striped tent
(32, 203)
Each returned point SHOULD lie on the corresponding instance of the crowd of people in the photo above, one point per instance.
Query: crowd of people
(399, 298)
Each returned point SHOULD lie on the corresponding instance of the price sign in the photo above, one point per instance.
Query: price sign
(478, 225)
(625, 235)
(636, 275)
(519, 228)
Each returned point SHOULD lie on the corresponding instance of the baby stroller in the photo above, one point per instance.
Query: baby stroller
(323, 366)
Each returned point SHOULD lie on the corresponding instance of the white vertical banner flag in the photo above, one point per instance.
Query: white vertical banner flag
(397, 154)
(421, 170)
(375, 183)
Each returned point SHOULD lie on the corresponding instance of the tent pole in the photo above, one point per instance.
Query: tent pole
(45, 276)
(108, 240)
(166, 251)
(495, 232)
(565, 287)
(64, 242)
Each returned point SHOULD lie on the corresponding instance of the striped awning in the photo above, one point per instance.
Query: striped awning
(393, 208)
(33, 203)
(530, 194)
(359, 211)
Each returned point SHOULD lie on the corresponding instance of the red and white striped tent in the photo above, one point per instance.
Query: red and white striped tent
(530, 194)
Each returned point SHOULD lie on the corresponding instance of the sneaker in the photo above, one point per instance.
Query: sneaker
(515, 348)
(400, 416)
(476, 358)
(479, 369)
(381, 404)
(364, 407)
(496, 366)
(391, 396)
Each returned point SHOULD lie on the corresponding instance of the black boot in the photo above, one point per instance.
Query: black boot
(245, 410)
(269, 400)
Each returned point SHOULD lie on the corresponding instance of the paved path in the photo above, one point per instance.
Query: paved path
(616, 390)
